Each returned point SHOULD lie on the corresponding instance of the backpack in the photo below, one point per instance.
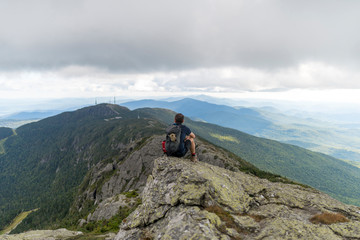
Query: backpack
(172, 142)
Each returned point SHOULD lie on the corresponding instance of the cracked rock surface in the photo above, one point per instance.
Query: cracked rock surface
(185, 200)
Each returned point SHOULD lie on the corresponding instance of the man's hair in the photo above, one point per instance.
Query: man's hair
(179, 118)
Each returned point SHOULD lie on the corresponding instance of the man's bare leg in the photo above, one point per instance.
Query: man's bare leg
(192, 150)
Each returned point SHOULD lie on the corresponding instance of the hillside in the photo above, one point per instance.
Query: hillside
(43, 165)
(323, 172)
(337, 140)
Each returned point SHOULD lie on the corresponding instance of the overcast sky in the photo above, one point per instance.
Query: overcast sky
(88, 48)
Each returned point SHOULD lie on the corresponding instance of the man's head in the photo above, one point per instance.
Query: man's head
(179, 118)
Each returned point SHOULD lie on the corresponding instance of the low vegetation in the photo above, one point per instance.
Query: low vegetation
(2, 149)
(226, 218)
(4, 134)
(328, 218)
(257, 218)
(88, 236)
(131, 194)
(111, 225)
(17, 221)
(225, 138)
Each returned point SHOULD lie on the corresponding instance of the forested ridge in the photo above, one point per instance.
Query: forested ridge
(46, 161)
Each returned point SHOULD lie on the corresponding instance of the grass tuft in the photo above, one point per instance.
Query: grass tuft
(227, 219)
(223, 215)
(328, 218)
(257, 218)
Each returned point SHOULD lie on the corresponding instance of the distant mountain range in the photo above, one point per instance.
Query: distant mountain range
(244, 119)
(35, 115)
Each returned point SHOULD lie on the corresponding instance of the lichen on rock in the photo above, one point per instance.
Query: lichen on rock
(179, 193)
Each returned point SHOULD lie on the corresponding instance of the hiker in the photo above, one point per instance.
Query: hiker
(180, 139)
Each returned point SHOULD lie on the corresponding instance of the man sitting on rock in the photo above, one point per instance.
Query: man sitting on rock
(179, 139)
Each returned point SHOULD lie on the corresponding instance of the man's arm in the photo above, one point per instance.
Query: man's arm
(191, 135)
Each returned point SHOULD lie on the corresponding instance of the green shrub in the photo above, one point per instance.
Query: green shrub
(131, 194)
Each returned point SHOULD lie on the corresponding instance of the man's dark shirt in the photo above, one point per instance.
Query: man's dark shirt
(185, 131)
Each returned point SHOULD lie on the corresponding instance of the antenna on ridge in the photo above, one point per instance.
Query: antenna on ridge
(114, 101)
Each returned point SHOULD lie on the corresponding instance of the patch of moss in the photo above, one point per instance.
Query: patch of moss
(131, 194)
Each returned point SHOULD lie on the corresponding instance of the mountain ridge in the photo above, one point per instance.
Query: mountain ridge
(47, 160)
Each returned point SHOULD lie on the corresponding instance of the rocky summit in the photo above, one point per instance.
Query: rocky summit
(186, 200)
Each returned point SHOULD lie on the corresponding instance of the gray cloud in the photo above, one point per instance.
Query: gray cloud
(164, 35)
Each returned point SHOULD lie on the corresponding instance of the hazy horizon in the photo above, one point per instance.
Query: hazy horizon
(321, 110)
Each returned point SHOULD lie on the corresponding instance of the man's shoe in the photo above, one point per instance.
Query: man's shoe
(194, 158)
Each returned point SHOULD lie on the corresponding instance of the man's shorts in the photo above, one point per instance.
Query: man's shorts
(187, 146)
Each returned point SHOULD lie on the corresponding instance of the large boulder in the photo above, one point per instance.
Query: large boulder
(185, 200)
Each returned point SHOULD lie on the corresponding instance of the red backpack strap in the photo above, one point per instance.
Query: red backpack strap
(163, 146)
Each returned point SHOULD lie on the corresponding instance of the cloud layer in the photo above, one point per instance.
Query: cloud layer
(94, 47)
(91, 82)
(165, 35)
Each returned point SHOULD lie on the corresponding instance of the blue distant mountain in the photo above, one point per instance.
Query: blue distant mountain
(35, 115)
(244, 119)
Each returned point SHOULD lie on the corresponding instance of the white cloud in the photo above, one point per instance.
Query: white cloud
(83, 81)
